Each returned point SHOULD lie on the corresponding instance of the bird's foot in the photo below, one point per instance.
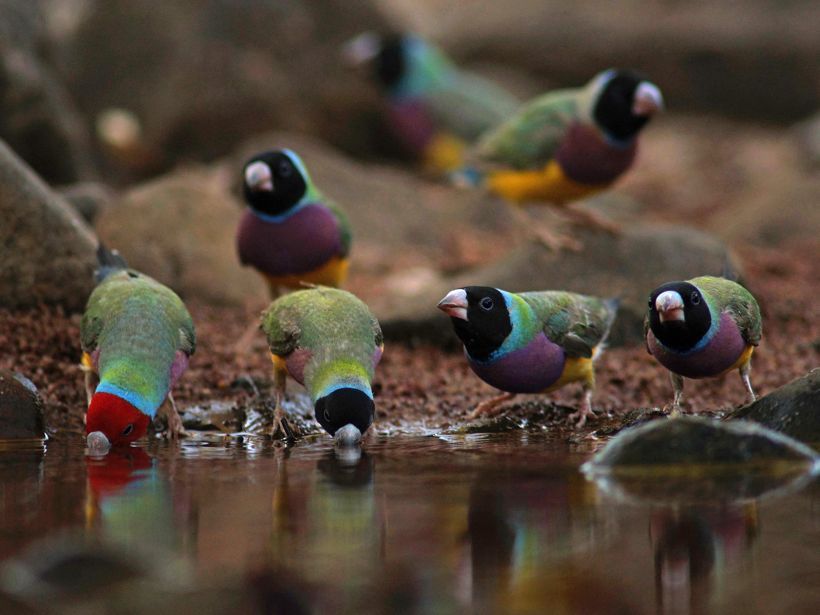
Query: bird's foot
(489, 407)
(555, 241)
(591, 219)
(175, 430)
(583, 413)
(282, 429)
(672, 410)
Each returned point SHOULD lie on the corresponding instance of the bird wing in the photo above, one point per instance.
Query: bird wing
(530, 138)
(344, 225)
(469, 105)
(280, 322)
(577, 323)
(187, 332)
(746, 313)
(733, 298)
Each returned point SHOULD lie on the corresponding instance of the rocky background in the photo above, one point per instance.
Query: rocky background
(128, 120)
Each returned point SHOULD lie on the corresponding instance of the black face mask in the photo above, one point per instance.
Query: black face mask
(288, 185)
(488, 322)
(345, 406)
(613, 110)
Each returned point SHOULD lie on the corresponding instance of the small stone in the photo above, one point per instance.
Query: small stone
(21, 408)
(793, 409)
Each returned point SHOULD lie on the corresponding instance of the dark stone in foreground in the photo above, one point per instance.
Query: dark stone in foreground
(21, 409)
(793, 409)
(697, 441)
(692, 460)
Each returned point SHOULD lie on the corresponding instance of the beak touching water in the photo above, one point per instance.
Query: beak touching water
(455, 304)
(670, 306)
(97, 443)
(648, 99)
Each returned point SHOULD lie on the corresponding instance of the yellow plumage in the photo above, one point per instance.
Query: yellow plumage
(333, 273)
(575, 370)
(444, 154)
(549, 184)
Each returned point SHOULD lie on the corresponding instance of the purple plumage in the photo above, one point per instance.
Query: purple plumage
(530, 369)
(302, 242)
(412, 124)
(719, 354)
(587, 158)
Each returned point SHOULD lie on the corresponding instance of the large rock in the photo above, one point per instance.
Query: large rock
(793, 409)
(628, 266)
(47, 251)
(37, 117)
(21, 408)
(201, 76)
(698, 460)
(180, 230)
(704, 55)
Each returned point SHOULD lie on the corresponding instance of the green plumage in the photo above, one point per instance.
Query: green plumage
(337, 329)
(577, 323)
(137, 325)
(529, 139)
(724, 295)
(469, 105)
(345, 232)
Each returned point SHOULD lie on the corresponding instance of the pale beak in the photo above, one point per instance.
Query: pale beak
(258, 177)
(361, 49)
(98, 443)
(347, 436)
(455, 304)
(670, 306)
(648, 99)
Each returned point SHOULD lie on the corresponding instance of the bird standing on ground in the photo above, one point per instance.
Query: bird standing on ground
(701, 328)
(533, 342)
(329, 341)
(433, 107)
(290, 233)
(566, 145)
(137, 336)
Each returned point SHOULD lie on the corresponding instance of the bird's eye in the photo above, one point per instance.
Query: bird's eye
(486, 304)
(695, 297)
(128, 429)
(651, 303)
(285, 169)
(327, 415)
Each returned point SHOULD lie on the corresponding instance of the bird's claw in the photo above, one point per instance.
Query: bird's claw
(582, 415)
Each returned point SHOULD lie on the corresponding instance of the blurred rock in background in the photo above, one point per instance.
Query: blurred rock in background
(37, 117)
(46, 249)
(755, 59)
(199, 76)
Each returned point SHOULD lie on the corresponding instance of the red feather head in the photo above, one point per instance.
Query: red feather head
(120, 421)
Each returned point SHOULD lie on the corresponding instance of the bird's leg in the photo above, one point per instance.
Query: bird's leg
(585, 410)
(175, 428)
(486, 408)
(674, 408)
(540, 232)
(584, 217)
(281, 427)
(745, 369)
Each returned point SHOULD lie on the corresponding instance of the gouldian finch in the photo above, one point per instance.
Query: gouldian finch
(329, 341)
(533, 342)
(290, 233)
(137, 336)
(701, 328)
(567, 144)
(434, 108)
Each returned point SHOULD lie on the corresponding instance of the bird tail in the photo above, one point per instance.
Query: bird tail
(108, 261)
(611, 305)
(467, 178)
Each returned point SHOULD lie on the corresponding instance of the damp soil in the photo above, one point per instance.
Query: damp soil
(423, 388)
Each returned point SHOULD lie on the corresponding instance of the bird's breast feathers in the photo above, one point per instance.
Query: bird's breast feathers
(301, 243)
